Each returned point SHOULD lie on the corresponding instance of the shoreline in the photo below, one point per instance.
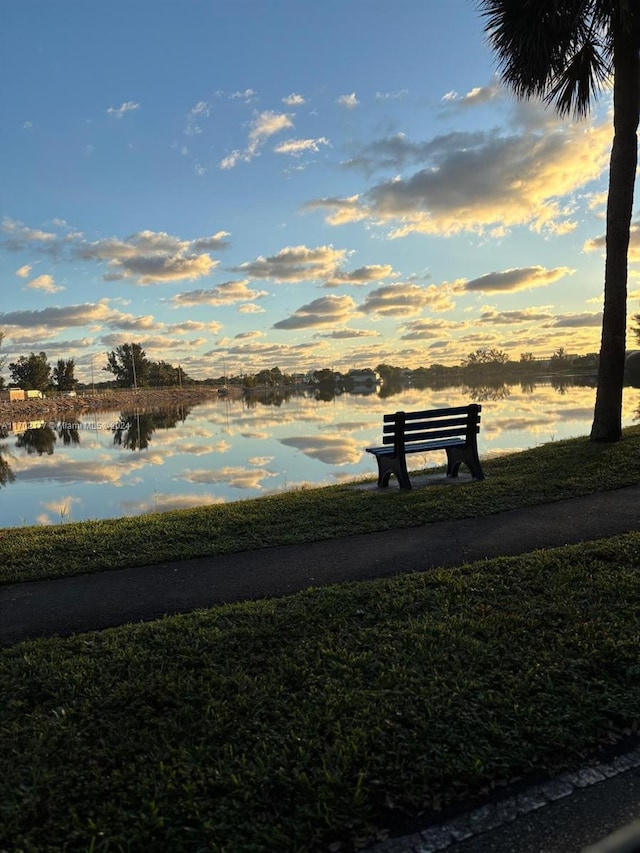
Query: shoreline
(117, 398)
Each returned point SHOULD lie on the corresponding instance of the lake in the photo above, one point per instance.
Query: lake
(118, 463)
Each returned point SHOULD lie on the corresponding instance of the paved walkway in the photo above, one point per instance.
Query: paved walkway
(93, 602)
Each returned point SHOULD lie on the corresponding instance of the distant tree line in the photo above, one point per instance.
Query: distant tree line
(34, 373)
(132, 369)
(128, 363)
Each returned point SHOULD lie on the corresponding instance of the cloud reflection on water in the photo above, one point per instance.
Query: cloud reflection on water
(249, 450)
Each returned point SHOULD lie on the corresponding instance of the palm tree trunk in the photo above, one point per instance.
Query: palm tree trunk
(607, 417)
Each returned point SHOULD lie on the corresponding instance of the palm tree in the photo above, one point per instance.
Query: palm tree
(565, 51)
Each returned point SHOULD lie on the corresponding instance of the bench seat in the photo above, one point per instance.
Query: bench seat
(422, 447)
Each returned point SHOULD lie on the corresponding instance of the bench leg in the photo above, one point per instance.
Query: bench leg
(457, 455)
(388, 465)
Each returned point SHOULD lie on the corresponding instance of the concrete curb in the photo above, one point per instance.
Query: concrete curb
(495, 815)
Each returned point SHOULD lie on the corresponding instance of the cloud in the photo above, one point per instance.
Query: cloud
(63, 346)
(190, 326)
(261, 354)
(146, 256)
(46, 283)
(238, 478)
(88, 314)
(598, 200)
(343, 210)
(392, 96)
(325, 311)
(155, 344)
(347, 334)
(474, 97)
(251, 309)
(600, 243)
(516, 317)
(62, 506)
(149, 256)
(423, 330)
(566, 321)
(165, 502)
(348, 101)
(512, 280)
(24, 271)
(19, 235)
(222, 294)
(151, 270)
(479, 180)
(243, 336)
(297, 147)
(397, 151)
(247, 96)
(127, 107)
(293, 100)
(330, 449)
(265, 124)
(295, 263)
(406, 299)
(361, 276)
(61, 470)
(200, 109)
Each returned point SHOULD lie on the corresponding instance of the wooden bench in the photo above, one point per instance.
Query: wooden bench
(451, 429)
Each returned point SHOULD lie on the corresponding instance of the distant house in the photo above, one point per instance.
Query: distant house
(299, 378)
(363, 381)
(15, 394)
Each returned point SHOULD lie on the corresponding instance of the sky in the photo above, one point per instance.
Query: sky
(291, 183)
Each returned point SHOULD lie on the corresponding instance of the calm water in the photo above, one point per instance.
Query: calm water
(121, 463)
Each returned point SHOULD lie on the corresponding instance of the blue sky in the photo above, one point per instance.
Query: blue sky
(299, 184)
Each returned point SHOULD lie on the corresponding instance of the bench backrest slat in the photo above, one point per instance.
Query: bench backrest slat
(411, 426)
(402, 428)
(430, 413)
(430, 435)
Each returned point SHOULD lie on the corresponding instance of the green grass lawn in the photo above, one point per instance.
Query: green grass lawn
(289, 724)
(293, 724)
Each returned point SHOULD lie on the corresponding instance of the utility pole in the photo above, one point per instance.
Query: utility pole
(133, 367)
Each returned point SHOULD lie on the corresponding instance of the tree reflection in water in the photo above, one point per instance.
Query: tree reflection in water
(135, 429)
(40, 440)
(69, 432)
(560, 384)
(324, 395)
(6, 474)
(266, 397)
(482, 393)
(389, 389)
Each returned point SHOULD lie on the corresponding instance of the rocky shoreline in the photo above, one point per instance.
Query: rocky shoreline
(87, 401)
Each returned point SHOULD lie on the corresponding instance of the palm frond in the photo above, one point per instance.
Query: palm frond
(618, 16)
(528, 38)
(579, 80)
(557, 50)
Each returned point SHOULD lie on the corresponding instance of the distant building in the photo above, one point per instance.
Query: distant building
(363, 381)
(14, 394)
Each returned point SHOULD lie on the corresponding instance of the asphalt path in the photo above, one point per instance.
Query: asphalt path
(95, 601)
